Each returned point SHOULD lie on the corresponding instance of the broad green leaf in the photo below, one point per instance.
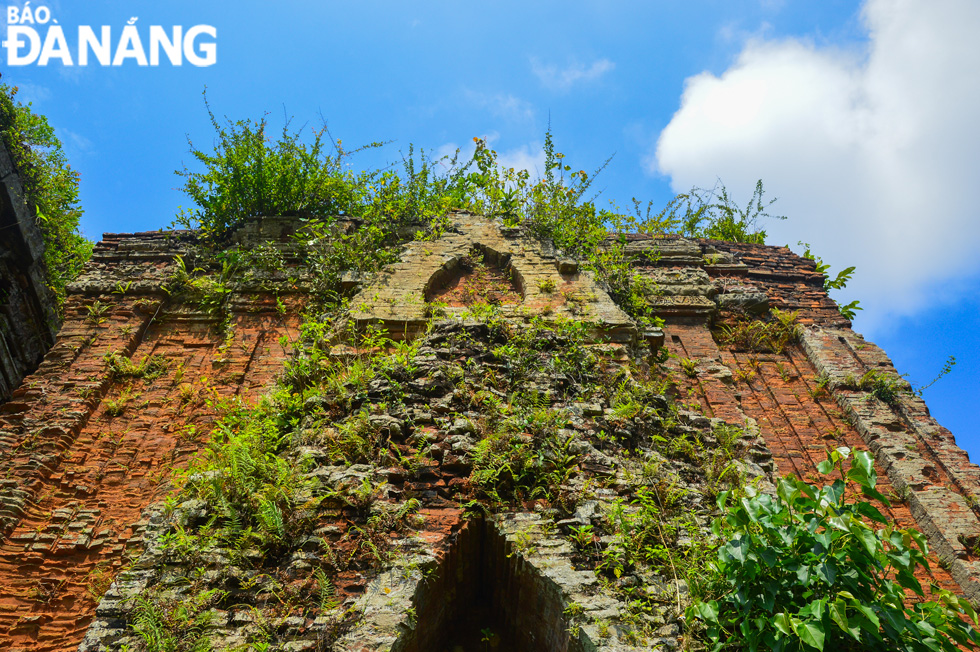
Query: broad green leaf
(932, 644)
(807, 489)
(838, 614)
(722, 500)
(865, 461)
(738, 548)
(769, 600)
(827, 572)
(707, 611)
(826, 467)
(858, 475)
(812, 633)
(753, 508)
(833, 493)
(920, 540)
(868, 613)
(874, 494)
(967, 608)
(864, 534)
(787, 490)
(907, 580)
(870, 511)
(824, 539)
(814, 609)
(803, 575)
(769, 555)
(782, 622)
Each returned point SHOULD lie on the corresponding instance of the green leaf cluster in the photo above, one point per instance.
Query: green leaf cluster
(50, 188)
(761, 336)
(814, 569)
(714, 214)
(838, 282)
(249, 174)
(176, 625)
(253, 492)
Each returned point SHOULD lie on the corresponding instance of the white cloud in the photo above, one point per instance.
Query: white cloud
(562, 79)
(529, 156)
(874, 154)
(28, 93)
(501, 105)
(75, 144)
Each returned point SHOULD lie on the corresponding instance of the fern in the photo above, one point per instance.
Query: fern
(271, 520)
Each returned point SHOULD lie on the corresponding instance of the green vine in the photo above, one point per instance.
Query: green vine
(50, 188)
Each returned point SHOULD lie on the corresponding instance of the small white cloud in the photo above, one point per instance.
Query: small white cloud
(529, 156)
(28, 93)
(73, 141)
(562, 79)
(502, 105)
(873, 153)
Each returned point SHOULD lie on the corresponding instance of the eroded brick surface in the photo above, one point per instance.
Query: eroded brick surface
(547, 286)
(86, 459)
(84, 454)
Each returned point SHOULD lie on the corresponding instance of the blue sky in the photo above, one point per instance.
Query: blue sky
(858, 116)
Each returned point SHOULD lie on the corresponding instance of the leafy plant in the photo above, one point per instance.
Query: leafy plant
(95, 313)
(947, 368)
(582, 536)
(170, 624)
(149, 368)
(246, 176)
(887, 388)
(714, 214)
(50, 188)
(513, 467)
(839, 282)
(245, 481)
(547, 285)
(807, 570)
(690, 367)
(761, 336)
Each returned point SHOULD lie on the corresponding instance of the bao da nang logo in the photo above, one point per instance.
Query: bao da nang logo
(34, 37)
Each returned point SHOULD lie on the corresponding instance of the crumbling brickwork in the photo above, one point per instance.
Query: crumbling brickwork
(88, 448)
(84, 453)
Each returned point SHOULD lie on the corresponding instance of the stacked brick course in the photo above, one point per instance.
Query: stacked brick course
(84, 454)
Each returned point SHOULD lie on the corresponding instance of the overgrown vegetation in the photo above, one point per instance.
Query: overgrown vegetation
(887, 388)
(807, 569)
(292, 493)
(119, 366)
(248, 175)
(50, 188)
(714, 214)
(838, 282)
(761, 335)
